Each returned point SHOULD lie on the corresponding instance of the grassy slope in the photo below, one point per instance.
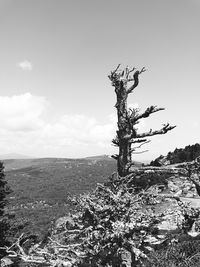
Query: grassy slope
(51, 181)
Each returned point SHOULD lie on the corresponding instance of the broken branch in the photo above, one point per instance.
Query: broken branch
(135, 79)
(148, 111)
(164, 130)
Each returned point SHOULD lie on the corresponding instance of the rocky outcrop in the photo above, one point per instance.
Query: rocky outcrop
(6, 262)
(180, 184)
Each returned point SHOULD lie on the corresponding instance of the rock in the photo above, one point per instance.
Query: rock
(178, 194)
(161, 188)
(6, 262)
(188, 188)
(65, 222)
(172, 186)
(189, 194)
(184, 191)
(170, 222)
(149, 249)
(126, 258)
(66, 264)
(193, 231)
(153, 240)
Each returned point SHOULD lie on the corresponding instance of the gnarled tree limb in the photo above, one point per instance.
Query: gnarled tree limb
(135, 79)
(128, 118)
(147, 113)
(163, 130)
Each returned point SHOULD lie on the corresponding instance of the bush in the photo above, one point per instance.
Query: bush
(180, 254)
(4, 191)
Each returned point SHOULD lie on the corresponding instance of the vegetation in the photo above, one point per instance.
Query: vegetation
(41, 189)
(126, 221)
(183, 253)
(4, 191)
(179, 155)
(116, 225)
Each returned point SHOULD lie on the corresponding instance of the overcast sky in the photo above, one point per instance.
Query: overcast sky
(55, 56)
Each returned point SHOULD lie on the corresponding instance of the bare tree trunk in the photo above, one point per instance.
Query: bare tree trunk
(127, 118)
(124, 147)
(123, 159)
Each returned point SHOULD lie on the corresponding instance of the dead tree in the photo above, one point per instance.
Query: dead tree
(125, 81)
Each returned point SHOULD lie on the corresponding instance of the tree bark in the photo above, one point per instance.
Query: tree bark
(127, 119)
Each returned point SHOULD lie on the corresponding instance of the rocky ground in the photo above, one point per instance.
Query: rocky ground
(129, 226)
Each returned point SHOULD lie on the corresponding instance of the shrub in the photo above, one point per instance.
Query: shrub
(4, 191)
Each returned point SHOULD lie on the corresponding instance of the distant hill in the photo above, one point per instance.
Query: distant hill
(42, 187)
(99, 157)
(109, 158)
(17, 161)
(179, 155)
(13, 156)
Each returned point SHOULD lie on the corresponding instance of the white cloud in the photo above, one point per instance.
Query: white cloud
(24, 130)
(25, 65)
(81, 130)
(195, 124)
(22, 112)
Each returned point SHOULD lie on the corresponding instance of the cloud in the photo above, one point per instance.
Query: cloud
(76, 129)
(195, 124)
(22, 112)
(25, 130)
(25, 65)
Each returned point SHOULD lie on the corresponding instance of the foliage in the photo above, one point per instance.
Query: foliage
(4, 191)
(179, 155)
(41, 188)
(111, 227)
(140, 180)
(118, 224)
(182, 253)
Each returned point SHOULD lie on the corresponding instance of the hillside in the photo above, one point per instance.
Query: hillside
(41, 187)
(114, 223)
(39, 206)
(179, 155)
(38, 179)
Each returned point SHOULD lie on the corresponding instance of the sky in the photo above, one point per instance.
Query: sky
(55, 57)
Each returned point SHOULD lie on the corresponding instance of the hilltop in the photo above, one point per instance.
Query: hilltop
(13, 156)
(179, 155)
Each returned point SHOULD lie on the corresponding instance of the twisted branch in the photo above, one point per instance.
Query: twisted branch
(165, 129)
(147, 112)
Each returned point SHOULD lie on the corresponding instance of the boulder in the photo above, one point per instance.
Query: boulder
(189, 194)
(5, 262)
(172, 187)
(178, 193)
(65, 222)
(126, 258)
(170, 222)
